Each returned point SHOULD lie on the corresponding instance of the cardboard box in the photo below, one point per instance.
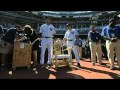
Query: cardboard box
(21, 55)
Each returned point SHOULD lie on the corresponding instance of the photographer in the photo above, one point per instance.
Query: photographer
(7, 44)
(111, 33)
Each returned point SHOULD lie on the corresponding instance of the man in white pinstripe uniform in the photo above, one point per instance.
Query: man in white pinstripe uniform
(70, 36)
(47, 30)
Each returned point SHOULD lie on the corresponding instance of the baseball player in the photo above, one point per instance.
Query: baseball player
(47, 31)
(69, 38)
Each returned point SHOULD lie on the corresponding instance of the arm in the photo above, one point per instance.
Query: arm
(76, 38)
(99, 37)
(54, 32)
(39, 35)
(40, 32)
(103, 34)
(106, 38)
(90, 37)
(65, 38)
(76, 34)
(36, 40)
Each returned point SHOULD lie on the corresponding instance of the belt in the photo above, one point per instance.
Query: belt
(70, 40)
(47, 37)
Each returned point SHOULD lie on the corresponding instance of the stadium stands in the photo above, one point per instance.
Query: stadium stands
(81, 19)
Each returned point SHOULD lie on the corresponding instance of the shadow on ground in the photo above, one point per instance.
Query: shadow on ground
(113, 75)
(44, 73)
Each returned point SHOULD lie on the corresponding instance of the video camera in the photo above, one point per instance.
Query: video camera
(22, 37)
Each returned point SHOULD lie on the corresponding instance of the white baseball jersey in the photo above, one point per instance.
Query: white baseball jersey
(70, 34)
(47, 30)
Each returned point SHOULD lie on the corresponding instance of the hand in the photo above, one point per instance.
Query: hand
(99, 41)
(80, 45)
(16, 40)
(113, 39)
(65, 46)
(39, 39)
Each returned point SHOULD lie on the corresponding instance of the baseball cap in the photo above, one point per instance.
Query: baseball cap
(69, 24)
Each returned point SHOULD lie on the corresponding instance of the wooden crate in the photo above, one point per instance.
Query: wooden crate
(21, 55)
